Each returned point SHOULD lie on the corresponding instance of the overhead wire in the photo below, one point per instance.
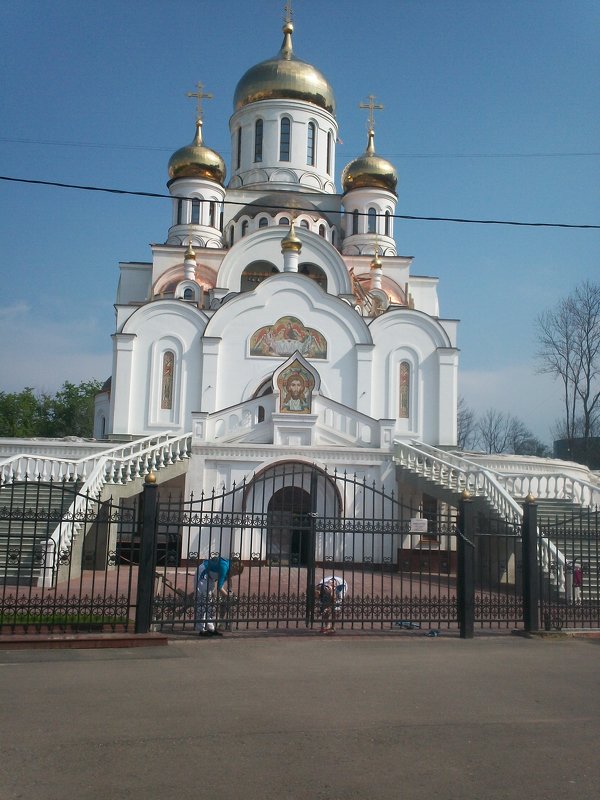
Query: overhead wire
(413, 217)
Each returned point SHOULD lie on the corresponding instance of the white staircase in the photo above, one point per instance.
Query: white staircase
(123, 464)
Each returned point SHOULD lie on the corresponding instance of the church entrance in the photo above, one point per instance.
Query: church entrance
(289, 527)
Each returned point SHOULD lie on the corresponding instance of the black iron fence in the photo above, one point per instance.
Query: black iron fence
(69, 562)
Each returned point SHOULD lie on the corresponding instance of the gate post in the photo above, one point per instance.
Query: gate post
(531, 576)
(310, 566)
(145, 584)
(465, 555)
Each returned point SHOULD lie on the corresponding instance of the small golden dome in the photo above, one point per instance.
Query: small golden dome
(370, 171)
(195, 160)
(291, 241)
(190, 253)
(376, 262)
(284, 76)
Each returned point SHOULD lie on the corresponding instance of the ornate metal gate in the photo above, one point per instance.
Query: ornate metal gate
(294, 526)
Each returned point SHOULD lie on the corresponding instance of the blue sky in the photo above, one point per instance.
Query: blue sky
(488, 108)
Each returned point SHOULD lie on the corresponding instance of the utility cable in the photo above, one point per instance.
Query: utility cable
(299, 208)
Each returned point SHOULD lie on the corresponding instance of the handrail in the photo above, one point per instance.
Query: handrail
(553, 485)
(109, 469)
(27, 466)
(481, 483)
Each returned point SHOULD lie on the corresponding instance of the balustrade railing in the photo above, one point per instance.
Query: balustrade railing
(117, 465)
(447, 470)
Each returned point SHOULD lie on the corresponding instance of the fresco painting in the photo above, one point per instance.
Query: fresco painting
(285, 337)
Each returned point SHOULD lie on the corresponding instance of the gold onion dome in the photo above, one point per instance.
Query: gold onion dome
(370, 171)
(284, 76)
(195, 160)
(291, 241)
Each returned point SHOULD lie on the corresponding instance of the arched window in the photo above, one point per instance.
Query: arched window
(284, 139)
(179, 212)
(212, 211)
(310, 144)
(195, 211)
(333, 236)
(258, 140)
(221, 219)
(238, 149)
(263, 222)
(231, 234)
(304, 224)
(322, 231)
(387, 223)
(404, 403)
(244, 227)
(188, 294)
(284, 221)
(354, 222)
(168, 369)
(261, 414)
(372, 221)
(329, 140)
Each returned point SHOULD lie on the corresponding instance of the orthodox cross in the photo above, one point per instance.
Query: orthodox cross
(200, 96)
(372, 106)
(287, 10)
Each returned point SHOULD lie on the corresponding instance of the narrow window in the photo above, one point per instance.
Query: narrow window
(188, 294)
(403, 409)
(238, 158)
(372, 219)
(244, 227)
(195, 211)
(263, 222)
(310, 144)
(354, 222)
(304, 223)
(258, 140)
(179, 212)
(212, 214)
(387, 223)
(261, 414)
(333, 236)
(284, 221)
(322, 231)
(284, 140)
(168, 366)
(329, 153)
(231, 236)
(221, 220)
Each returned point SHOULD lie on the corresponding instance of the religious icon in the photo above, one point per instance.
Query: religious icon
(295, 386)
(166, 399)
(287, 336)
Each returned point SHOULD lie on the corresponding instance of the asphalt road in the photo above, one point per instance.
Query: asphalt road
(304, 717)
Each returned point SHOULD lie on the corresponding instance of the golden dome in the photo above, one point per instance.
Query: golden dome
(291, 241)
(197, 161)
(370, 171)
(284, 76)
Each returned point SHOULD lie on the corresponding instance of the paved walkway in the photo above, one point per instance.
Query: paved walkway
(369, 717)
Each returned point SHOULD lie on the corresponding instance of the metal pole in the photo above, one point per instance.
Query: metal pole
(531, 575)
(145, 585)
(310, 565)
(465, 552)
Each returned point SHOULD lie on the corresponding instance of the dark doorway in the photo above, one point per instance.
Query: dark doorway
(289, 526)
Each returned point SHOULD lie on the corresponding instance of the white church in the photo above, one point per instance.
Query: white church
(278, 321)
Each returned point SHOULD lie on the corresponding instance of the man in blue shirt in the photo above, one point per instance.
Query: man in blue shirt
(211, 574)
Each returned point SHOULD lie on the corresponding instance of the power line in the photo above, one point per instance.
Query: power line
(297, 208)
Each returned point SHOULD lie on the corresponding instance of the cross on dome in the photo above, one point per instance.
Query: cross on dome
(200, 96)
(372, 106)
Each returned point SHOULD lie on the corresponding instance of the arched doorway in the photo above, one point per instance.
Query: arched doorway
(289, 526)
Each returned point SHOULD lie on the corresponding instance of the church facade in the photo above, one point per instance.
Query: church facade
(277, 323)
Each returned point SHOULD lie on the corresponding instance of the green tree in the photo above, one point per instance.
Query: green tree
(70, 412)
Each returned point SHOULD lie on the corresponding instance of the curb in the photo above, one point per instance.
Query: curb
(83, 641)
